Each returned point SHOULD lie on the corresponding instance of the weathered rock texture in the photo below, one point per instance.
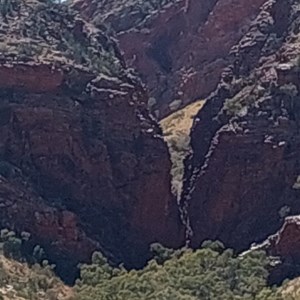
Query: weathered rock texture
(284, 248)
(82, 164)
(178, 47)
(246, 138)
(286, 242)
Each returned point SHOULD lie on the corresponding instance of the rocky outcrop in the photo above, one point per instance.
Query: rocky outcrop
(283, 249)
(95, 171)
(245, 140)
(178, 47)
(285, 243)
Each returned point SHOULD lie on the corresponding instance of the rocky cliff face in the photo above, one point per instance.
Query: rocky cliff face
(284, 246)
(245, 140)
(83, 166)
(79, 154)
(178, 47)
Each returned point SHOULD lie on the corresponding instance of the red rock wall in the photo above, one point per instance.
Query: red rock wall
(94, 170)
(190, 45)
(95, 161)
(183, 48)
(234, 180)
(245, 162)
(100, 159)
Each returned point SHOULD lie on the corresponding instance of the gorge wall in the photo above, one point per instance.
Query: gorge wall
(245, 162)
(79, 153)
(84, 166)
(239, 177)
(179, 48)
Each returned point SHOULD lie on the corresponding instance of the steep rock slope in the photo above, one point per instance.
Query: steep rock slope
(284, 246)
(178, 47)
(245, 139)
(79, 154)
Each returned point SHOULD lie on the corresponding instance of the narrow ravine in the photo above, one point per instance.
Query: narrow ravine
(176, 129)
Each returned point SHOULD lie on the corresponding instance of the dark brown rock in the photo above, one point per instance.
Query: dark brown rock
(286, 242)
(246, 141)
(94, 167)
(181, 48)
(283, 248)
(93, 162)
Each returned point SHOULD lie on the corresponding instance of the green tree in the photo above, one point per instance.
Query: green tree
(210, 273)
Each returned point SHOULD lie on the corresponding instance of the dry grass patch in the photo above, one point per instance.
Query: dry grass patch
(176, 129)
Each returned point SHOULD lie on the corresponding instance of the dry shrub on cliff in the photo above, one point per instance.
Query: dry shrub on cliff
(18, 281)
(176, 129)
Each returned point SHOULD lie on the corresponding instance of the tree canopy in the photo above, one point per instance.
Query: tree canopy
(210, 273)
